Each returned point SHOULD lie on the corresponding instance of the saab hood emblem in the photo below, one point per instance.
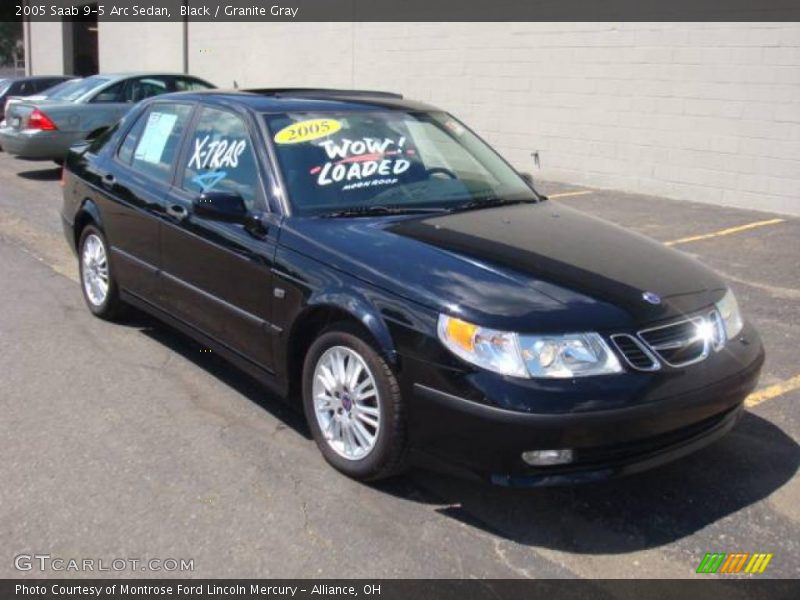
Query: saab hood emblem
(651, 297)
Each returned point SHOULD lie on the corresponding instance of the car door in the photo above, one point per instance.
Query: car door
(133, 184)
(217, 275)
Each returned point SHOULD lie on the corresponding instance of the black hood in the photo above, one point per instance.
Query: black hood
(531, 267)
(575, 251)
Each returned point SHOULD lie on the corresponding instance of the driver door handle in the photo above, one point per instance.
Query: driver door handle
(177, 211)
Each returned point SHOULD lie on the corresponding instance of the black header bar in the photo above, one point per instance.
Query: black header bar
(403, 10)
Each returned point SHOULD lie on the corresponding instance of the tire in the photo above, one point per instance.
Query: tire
(95, 268)
(387, 453)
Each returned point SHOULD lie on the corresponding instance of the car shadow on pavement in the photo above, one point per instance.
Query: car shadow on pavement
(624, 515)
(218, 367)
(51, 173)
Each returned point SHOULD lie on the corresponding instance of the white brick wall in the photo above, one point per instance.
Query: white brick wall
(47, 48)
(124, 47)
(701, 111)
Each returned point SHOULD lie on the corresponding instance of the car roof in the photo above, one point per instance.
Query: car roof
(36, 77)
(304, 99)
(116, 77)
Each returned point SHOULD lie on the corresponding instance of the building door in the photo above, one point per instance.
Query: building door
(80, 44)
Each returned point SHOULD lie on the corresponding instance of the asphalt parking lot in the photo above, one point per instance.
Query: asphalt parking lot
(128, 441)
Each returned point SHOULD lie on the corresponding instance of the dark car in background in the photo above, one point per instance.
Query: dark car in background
(26, 86)
(45, 129)
(374, 258)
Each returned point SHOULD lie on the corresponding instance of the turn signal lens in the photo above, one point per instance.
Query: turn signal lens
(38, 120)
(462, 333)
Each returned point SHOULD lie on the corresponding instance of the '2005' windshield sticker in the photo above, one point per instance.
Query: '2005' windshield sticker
(306, 131)
(215, 155)
(360, 163)
(157, 130)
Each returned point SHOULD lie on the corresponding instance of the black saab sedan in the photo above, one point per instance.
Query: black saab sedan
(375, 258)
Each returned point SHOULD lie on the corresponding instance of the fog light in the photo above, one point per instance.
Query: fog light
(544, 458)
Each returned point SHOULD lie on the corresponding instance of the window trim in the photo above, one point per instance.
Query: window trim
(261, 201)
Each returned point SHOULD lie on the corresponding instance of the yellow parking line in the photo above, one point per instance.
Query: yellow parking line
(722, 232)
(568, 194)
(772, 391)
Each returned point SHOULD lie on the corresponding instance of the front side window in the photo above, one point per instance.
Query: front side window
(141, 88)
(151, 146)
(189, 84)
(333, 162)
(221, 157)
(111, 95)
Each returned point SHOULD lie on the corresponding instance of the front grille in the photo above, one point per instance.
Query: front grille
(635, 353)
(676, 344)
(679, 344)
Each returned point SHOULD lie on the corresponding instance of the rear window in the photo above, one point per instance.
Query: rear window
(80, 89)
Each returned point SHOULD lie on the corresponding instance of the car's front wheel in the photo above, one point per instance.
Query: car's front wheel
(97, 281)
(353, 405)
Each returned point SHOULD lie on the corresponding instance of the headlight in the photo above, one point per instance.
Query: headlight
(731, 317)
(553, 356)
(493, 350)
(572, 355)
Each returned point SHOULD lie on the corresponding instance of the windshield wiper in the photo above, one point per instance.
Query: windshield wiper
(488, 202)
(369, 211)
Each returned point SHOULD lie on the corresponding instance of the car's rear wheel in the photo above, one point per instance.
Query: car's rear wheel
(353, 405)
(97, 280)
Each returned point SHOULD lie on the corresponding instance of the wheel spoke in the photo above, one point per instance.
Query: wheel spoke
(365, 439)
(324, 402)
(364, 390)
(368, 419)
(369, 410)
(326, 377)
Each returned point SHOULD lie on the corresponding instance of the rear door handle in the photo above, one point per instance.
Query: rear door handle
(177, 211)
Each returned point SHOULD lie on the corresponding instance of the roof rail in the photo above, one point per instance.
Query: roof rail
(320, 92)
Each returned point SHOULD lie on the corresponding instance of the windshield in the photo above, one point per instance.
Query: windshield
(77, 89)
(340, 161)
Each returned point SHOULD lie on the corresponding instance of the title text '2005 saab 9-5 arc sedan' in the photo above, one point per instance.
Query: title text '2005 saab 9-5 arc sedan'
(373, 257)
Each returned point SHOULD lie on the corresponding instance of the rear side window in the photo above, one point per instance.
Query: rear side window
(221, 157)
(152, 145)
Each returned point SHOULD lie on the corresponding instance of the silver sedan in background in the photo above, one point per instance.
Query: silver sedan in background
(45, 129)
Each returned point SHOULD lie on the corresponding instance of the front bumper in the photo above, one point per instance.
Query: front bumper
(617, 427)
(36, 144)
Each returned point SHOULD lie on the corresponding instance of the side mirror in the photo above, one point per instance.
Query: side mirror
(221, 206)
